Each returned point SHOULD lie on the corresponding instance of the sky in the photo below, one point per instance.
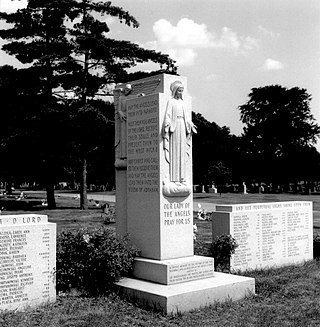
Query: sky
(227, 47)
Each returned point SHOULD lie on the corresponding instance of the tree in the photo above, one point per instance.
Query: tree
(25, 136)
(278, 126)
(219, 174)
(211, 145)
(101, 60)
(38, 38)
(65, 42)
(11, 126)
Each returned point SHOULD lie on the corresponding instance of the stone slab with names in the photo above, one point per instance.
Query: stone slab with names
(27, 261)
(268, 234)
(154, 194)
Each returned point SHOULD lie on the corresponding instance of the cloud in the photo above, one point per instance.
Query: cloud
(183, 41)
(10, 6)
(230, 40)
(268, 33)
(187, 33)
(212, 77)
(271, 64)
(249, 43)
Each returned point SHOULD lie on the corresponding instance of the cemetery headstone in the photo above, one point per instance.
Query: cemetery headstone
(27, 261)
(268, 234)
(213, 189)
(244, 188)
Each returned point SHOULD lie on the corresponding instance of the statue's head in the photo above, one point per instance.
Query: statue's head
(177, 89)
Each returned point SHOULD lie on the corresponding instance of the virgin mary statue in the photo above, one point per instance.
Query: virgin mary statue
(177, 131)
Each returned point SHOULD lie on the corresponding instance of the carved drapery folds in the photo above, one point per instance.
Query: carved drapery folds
(177, 131)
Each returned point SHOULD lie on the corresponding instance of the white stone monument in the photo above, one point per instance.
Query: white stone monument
(213, 189)
(244, 188)
(27, 261)
(155, 199)
(268, 234)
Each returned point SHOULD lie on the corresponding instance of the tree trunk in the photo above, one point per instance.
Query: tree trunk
(49, 180)
(83, 186)
(51, 201)
(50, 195)
(9, 186)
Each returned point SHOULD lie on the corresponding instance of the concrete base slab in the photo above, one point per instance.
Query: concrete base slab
(189, 295)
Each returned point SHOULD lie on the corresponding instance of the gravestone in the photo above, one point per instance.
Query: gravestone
(244, 188)
(155, 199)
(27, 261)
(268, 234)
(213, 189)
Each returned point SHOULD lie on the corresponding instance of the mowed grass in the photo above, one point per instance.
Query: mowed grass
(67, 215)
(287, 296)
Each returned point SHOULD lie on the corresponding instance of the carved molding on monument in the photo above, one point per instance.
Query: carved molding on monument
(145, 87)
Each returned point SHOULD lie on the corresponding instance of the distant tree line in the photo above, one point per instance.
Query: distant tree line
(276, 147)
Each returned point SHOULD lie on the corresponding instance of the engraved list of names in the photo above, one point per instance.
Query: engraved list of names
(142, 145)
(27, 261)
(272, 234)
(269, 234)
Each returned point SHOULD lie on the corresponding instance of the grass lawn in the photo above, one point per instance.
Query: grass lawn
(288, 296)
(67, 216)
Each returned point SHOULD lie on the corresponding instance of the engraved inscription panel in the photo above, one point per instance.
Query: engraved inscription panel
(184, 272)
(27, 261)
(271, 234)
(142, 146)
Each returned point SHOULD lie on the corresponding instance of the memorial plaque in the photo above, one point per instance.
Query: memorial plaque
(174, 271)
(27, 261)
(188, 271)
(268, 234)
(143, 140)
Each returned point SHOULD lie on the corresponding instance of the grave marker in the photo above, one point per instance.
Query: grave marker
(27, 261)
(268, 234)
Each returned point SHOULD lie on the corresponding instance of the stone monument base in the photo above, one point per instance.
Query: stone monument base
(182, 297)
(174, 271)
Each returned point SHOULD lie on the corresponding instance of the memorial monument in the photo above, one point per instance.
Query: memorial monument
(268, 234)
(154, 199)
(27, 261)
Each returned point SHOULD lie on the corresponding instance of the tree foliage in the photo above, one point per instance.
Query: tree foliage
(277, 119)
(212, 145)
(278, 128)
(31, 132)
(65, 44)
(219, 174)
